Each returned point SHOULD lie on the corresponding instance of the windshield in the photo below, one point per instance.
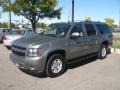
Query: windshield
(29, 32)
(59, 30)
(23, 32)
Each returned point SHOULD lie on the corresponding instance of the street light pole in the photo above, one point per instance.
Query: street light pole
(9, 16)
(72, 10)
(119, 19)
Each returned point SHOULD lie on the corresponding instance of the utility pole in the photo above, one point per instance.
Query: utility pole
(119, 19)
(72, 10)
(9, 16)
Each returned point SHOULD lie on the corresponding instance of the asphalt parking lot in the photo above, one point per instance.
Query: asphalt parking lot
(85, 75)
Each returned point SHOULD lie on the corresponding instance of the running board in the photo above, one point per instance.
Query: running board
(81, 58)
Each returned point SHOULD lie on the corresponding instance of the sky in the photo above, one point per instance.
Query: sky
(96, 9)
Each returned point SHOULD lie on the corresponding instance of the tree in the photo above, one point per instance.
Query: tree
(12, 25)
(33, 10)
(41, 25)
(0, 6)
(87, 18)
(4, 25)
(0, 15)
(109, 21)
(1, 25)
(0, 2)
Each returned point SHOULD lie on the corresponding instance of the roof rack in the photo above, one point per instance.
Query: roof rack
(86, 21)
(78, 21)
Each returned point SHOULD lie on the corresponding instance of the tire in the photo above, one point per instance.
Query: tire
(102, 54)
(2, 39)
(8, 47)
(55, 66)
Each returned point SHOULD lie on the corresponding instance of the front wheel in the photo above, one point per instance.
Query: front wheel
(55, 66)
(102, 52)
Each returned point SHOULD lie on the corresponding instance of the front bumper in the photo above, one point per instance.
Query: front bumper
(28, 63)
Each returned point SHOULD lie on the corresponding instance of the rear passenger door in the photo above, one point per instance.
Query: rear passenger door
(91, 40)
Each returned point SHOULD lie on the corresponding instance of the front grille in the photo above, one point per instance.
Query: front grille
(18, 50)
(19, 47)
(18, 53)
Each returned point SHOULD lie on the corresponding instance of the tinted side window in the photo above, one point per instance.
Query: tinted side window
(6, 30)
(90, 29)
(78, 28)
(9, 30)
(103, 28)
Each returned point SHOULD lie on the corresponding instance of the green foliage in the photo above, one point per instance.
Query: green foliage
(109, 21)
(6, 25)
(87, 18)
(3, 25)
(0, 2)
(41, 25)
(33, 10)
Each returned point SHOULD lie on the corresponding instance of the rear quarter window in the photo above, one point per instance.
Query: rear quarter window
(103, 28)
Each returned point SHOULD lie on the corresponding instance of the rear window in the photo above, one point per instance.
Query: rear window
(103, 28)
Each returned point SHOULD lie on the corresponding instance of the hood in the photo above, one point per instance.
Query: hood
(32, 40)
(13, 36)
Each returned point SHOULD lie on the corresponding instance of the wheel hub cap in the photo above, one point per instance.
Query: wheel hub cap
(56, 66)
(104, 52)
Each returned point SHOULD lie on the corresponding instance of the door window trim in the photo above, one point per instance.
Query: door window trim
(84, 32)
(94, 29)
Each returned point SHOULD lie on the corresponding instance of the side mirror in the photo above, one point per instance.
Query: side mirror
(75, 35)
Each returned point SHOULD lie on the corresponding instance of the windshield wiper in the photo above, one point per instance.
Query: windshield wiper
(49, 35)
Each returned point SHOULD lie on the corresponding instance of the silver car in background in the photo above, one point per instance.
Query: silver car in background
(3, 32)
(8, 39)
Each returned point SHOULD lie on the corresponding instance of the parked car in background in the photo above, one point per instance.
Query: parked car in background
(4, 32)
(8, 39)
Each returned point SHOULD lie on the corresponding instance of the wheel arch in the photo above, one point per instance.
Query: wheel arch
(105, 42)
(60, 51)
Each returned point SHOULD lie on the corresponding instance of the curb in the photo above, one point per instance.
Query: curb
(115, 51)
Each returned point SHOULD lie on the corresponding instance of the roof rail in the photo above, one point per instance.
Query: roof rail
(85, 21)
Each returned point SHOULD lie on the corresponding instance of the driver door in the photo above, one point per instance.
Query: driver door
(76, 43)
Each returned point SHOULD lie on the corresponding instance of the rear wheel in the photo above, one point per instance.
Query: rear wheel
(2, 39)
(8, 47)
(102, 52)
(55, 66)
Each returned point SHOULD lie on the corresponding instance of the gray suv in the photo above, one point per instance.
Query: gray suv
(49, 51)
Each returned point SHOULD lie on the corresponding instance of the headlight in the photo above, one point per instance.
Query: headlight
(34, 52)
